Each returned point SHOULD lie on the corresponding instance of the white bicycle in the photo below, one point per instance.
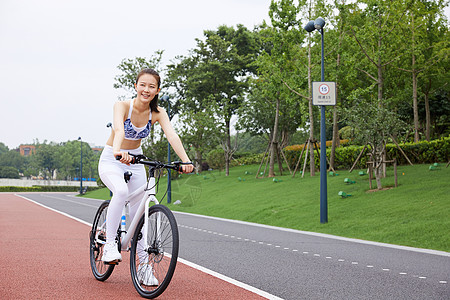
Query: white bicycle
(152, 237)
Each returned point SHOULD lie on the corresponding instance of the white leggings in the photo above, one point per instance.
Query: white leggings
(111, 173)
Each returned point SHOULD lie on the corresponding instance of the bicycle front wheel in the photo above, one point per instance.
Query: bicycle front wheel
(154, 255)
(100, 270)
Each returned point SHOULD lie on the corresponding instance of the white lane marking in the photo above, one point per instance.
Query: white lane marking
(315, 254)
(323, 235)
(71, 201)
(52, 209)
(229, 280)
(188, 263)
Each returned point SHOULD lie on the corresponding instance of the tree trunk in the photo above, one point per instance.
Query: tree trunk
(415, 105)
(227, 149)
(198, 160)
(274, 140)
(378, 164)
(335, 140)
(427, 112)
(380, 83)
(312, 167)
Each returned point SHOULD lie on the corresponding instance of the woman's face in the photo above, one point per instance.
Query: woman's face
(146, 88)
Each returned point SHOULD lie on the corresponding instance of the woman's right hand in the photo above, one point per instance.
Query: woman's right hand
(125, 158)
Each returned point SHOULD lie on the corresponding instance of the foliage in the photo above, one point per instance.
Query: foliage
(216, 159)
(249, 159)
(51, 160)
(211, 83)
(423, 152)
(9, 172)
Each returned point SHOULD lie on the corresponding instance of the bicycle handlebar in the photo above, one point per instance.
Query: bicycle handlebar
(142, 159)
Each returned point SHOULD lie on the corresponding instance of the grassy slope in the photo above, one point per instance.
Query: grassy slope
(414, 214)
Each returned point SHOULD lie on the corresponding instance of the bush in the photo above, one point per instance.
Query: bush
(216, 159)
(418, 153)
(248, 159)
(9, 172)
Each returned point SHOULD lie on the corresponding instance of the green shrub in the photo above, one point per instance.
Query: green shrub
(248, 159)
(216, 159)
(9, 172)
(423, 152)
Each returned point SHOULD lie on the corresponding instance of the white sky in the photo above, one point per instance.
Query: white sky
(58, 58)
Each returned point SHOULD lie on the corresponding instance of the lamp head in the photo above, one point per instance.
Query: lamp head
(310, 26)
(165, 98)
(319, 23)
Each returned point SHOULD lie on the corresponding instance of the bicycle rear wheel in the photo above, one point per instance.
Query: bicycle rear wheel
(157, 258)
(100, 270)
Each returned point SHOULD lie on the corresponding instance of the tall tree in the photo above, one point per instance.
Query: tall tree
(375, 27)
(374, 130)
(199, 127)
(221, 64)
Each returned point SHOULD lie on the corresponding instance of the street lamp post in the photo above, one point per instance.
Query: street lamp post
(169, 184)
(81, 165)
(318, 24)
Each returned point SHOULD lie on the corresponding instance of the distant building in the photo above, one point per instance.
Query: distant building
(97, 149)
(26, 150)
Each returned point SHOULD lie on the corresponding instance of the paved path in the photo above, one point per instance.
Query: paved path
(45, 255)
(290, 264)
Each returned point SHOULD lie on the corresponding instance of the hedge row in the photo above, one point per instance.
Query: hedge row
(40, 188)
(418, 153)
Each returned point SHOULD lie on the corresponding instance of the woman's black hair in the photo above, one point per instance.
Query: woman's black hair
(154, 102)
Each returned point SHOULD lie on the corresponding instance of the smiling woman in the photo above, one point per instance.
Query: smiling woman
(131, 123)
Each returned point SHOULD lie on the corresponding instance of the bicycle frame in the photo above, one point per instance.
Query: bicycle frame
(147, 197)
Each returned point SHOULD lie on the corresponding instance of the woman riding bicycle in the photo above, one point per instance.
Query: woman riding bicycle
(132, 121)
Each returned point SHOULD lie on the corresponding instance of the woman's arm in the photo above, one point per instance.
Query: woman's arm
(119, 132)
(163, 119)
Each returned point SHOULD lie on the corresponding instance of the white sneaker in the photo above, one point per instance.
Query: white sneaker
(111, 253)
(146, 277)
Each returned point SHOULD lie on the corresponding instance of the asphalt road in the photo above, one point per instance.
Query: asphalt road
(292, 264)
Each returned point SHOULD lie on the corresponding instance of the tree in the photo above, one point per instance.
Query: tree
(199, 128)
(46, 159)
(374, 125)
(220, 65)
(379, 38)
(426, 30)
(8, 172)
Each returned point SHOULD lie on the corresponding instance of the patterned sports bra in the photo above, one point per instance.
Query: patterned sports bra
(134, 133)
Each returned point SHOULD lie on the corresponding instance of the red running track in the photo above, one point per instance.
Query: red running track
(45, 255)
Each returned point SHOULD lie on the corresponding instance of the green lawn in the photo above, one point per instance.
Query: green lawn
(416, 213)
